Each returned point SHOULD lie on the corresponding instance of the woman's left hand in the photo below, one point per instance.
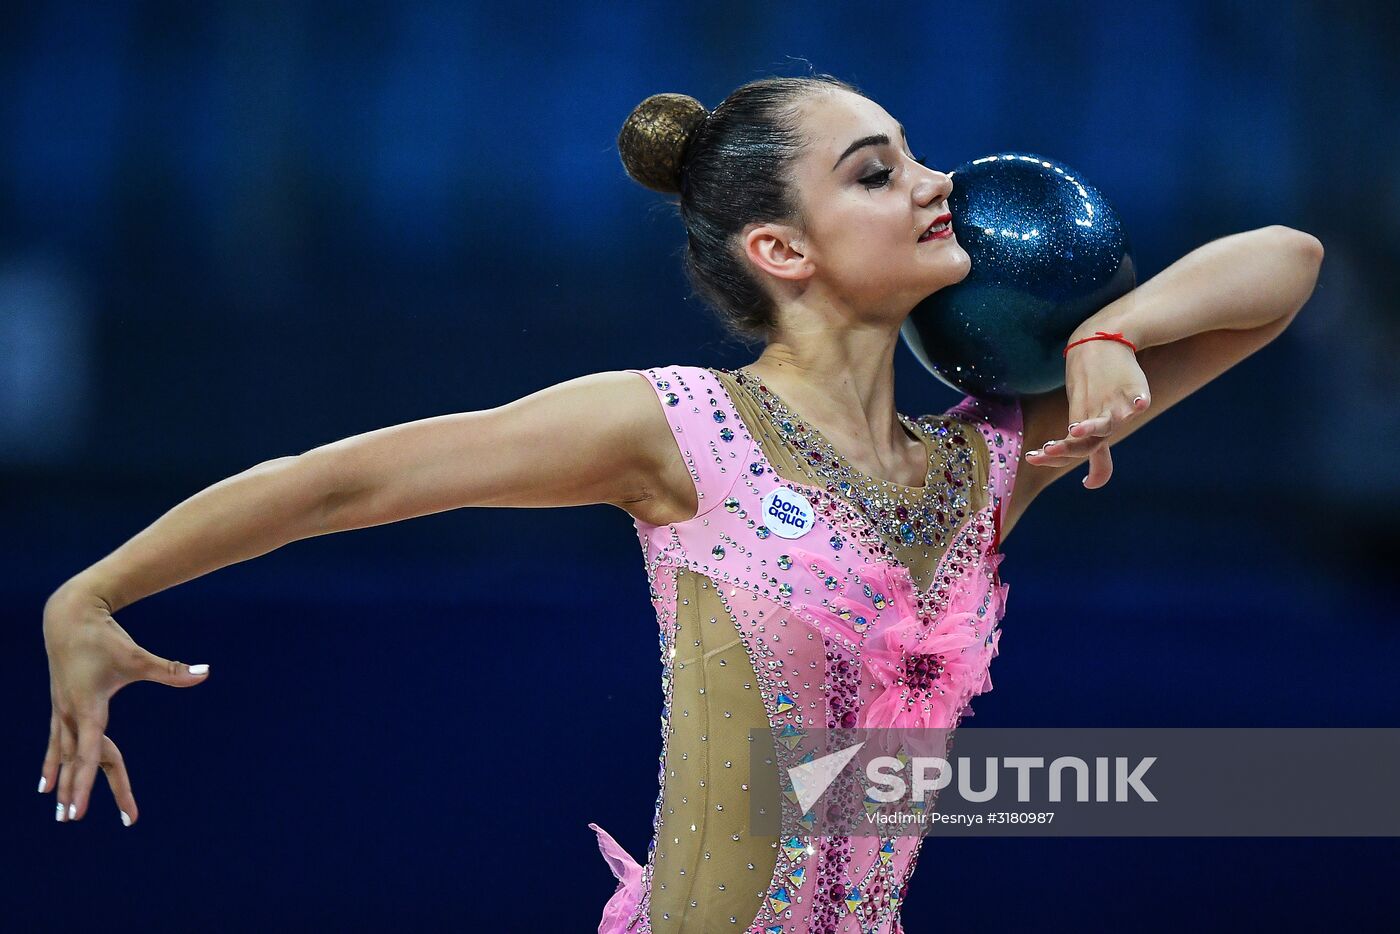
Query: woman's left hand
(1105, 387)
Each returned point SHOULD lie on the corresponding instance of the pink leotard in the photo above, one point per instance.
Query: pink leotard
(811, 628)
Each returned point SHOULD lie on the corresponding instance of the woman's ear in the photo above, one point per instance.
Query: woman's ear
(779, 250)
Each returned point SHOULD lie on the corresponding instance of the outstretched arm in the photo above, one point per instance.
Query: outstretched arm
(576, 443)
(1191, 322)
(594, 439)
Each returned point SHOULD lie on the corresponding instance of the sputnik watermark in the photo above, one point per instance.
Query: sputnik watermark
(886, 781)
(889, 784)
(1076, 782)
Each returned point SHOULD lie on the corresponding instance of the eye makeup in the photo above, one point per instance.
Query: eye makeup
(882, 178)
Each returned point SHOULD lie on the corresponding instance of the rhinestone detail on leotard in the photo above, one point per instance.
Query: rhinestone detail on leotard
(780, 595)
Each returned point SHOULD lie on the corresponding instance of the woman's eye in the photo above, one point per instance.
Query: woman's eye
(878, 180)
(881, 178)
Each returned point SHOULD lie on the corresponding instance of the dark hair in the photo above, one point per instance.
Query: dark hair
(730, 167)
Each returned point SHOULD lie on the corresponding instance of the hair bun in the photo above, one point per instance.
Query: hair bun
(654, 137)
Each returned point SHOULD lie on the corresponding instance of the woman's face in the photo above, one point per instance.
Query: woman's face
(865, 207)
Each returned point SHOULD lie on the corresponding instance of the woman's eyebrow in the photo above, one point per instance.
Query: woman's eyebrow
(879, 139)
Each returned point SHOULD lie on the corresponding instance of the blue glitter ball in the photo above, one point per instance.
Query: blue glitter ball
(1047, 252)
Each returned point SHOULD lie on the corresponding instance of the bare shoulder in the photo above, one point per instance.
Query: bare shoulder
(663, 491)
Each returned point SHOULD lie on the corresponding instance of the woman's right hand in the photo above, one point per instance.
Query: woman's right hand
(91, 658)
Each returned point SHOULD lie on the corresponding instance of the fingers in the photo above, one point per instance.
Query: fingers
(67, 744)
(85, 762)
(1063, 452)
(1099, 426)
(1088, 438)
(152, 667)
(75, 787)
(114, 767)
(1083, 438)
(1100, 468)
(48, 774)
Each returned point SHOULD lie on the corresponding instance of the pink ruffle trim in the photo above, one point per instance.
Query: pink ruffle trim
(955, 635)
(629, 884)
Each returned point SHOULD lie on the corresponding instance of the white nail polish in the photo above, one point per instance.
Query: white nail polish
(58, 812)
(43, 783)
(126, 819)
(72, 811)
(198, 669)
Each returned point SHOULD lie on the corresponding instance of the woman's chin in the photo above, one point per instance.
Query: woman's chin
(950, 271)
(956, 264)
(966, 263)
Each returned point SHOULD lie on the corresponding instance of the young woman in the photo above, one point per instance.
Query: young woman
(817, 559)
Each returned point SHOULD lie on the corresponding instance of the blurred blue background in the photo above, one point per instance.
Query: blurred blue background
(235, 231)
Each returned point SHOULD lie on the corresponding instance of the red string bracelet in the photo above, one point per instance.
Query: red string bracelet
(1101, 336)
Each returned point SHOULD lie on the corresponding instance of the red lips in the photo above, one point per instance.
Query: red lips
(942, 218)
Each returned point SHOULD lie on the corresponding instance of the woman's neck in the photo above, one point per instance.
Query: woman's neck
(849, 400)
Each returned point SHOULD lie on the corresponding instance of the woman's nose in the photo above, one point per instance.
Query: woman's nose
(939, 187)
